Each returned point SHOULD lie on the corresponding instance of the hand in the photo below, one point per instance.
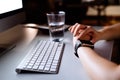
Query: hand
(84, 32)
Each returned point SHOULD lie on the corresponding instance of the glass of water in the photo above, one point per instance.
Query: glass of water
(56, 21)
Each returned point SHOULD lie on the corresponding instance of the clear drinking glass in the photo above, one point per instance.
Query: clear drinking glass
(56, 22)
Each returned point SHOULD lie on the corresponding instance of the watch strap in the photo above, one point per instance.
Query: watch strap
(83, 43)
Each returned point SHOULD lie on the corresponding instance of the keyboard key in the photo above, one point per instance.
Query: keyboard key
(41, 67)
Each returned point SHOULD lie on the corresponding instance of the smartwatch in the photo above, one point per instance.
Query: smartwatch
(83, 43)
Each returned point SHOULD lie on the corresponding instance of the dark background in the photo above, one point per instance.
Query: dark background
(75, 9)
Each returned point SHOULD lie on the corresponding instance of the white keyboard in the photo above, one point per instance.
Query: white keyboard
(45, 57)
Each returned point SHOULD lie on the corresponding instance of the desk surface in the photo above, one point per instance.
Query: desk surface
(70, 69)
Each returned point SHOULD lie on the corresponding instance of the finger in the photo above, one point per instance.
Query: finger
(76, 31)
(86, 31)
(70, 28)
(86, 34)
(83, 26)
(73, 27)
(78, 26)
(83, 38)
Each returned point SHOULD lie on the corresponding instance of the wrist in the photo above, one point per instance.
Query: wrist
(82, 43)
(103, 33)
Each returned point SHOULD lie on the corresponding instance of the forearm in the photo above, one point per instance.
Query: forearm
(110, 33)
(97, 67)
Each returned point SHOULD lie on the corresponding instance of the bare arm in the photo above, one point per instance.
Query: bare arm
(110, 32)
(97, 67)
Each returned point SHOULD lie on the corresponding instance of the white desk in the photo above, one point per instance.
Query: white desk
(70, 69)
